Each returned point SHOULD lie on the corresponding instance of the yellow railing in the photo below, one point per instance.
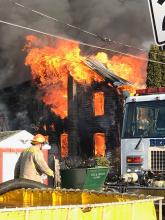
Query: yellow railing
(49, 204)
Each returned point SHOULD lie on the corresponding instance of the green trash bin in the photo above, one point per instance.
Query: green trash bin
(84, 178)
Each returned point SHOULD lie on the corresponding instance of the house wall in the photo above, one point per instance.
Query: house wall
(88, 124)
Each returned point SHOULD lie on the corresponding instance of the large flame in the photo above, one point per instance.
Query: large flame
(128, 68)
(52, 62)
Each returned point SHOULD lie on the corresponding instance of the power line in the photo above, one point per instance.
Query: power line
(105, 39)
(80, 42)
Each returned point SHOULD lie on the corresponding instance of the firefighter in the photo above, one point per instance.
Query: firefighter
(31, 164)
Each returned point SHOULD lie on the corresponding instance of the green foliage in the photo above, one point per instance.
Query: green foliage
(102, 161)
(156, 71)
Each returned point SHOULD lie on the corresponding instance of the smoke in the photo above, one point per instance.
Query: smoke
(12, 40)
(22, 16)
(125, 21)
(4, 117)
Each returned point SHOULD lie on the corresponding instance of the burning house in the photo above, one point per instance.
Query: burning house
(94, 117)
(77, 104)
(95, 114)
(82, 93)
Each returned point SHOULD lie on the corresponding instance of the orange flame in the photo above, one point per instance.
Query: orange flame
(52, 62)
(64, 145)
(128, 68)
(99, 103)
(99, 139)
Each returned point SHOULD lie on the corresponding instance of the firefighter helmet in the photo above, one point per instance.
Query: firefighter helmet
(38, 139)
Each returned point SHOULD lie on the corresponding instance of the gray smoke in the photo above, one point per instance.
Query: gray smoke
(126, 21)
(4, 117)
(123, 20)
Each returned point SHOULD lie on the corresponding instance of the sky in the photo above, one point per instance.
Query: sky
(124, 21)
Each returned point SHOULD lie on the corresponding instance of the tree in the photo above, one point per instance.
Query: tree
(156, 70)
(163, 67)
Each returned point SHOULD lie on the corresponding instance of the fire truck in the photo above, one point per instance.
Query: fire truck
(143, 133)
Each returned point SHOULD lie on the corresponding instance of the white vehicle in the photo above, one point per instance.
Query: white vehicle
(143, 134)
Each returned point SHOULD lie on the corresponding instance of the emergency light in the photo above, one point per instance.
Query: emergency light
(134, 159)
(150, 91)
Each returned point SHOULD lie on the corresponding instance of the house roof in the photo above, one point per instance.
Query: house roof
(104, 72)
(7, 134)
(15, 139)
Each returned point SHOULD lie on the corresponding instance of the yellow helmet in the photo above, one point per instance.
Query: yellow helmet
(38, 139)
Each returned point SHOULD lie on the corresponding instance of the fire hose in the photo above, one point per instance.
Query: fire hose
(20, 183)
